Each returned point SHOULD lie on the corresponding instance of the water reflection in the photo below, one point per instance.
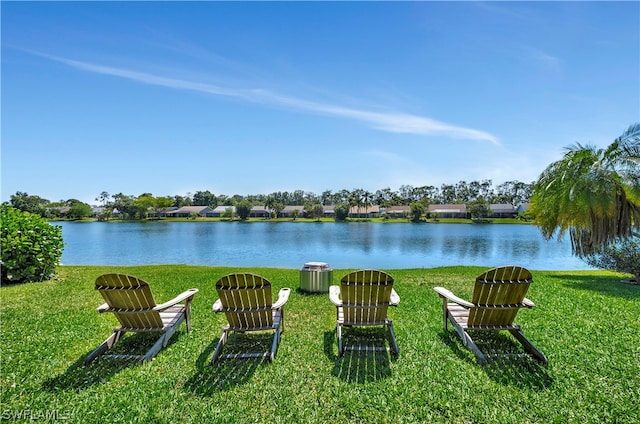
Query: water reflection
(290, 244)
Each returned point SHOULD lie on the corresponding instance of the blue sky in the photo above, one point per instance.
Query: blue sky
(256, 97)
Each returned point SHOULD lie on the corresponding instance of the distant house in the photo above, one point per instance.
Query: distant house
(163, 212)
(502, 210)
(221, 210)
(398, 211)
(449, 210)
(260, 212)
(328, 211)
(372, 211)
(288, 211)
(187, 211)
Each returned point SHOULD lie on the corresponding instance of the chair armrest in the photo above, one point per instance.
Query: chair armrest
(446, 294)
(187, 295)
(528, 303)
(334, 295)
(217, 306)
(395, 299)
(283, 296)
(103, 308)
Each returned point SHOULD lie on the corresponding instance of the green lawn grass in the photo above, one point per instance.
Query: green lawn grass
(587, 324)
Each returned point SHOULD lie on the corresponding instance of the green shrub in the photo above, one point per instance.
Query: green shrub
(31, 247)
(342, 211)
(479, 209)
(243, 209)
(417, 211)
(621, 257)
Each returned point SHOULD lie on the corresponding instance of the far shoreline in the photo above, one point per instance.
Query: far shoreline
(486, 221)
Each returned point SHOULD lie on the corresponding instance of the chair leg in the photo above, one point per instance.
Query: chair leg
(392, 335)
(461, 333)
(106, 345)
(445, 314)
(157, 346)
(169, 332)
(529, 347)
(468, 342)
(274, 345)
(221, 343)
(187, 316)
(339, 337)
(471, 345)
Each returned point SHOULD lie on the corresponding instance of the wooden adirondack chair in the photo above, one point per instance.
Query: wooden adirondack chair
(131, 301)
(362, 299)
(246, 302)
(498, 295)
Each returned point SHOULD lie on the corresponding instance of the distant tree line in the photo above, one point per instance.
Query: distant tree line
(146, 205)
(591, 193)
(72, 208)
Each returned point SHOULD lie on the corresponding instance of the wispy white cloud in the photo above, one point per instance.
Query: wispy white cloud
(384, 121)
(544, 58)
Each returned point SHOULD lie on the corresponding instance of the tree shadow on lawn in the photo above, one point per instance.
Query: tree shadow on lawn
(516, 369)
(80, 376)
(615, 286)
(228, 373)
(366, 357)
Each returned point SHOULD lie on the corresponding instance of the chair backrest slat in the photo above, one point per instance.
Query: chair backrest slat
(495, 290)
(365, 296)
(131, 300)
(246, 299)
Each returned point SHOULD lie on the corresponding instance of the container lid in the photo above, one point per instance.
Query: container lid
(315, 266)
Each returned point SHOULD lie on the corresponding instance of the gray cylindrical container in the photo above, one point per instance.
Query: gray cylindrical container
(315, 277)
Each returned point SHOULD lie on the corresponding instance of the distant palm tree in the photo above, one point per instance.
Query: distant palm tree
(270, 204)
(594, 194)
(355, 199)
(367, 199)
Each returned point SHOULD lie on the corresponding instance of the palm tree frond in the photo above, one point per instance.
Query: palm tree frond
(594, 194)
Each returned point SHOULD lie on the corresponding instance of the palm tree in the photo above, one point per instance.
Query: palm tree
(269, 205)
(367, 200)
(355, 199)
(594, 194)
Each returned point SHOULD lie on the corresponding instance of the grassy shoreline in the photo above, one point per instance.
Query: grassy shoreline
(586, 322)
(320, 220)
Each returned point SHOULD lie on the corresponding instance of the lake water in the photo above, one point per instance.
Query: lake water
(291, 244)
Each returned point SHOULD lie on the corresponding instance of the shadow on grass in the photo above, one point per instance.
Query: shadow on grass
(228, 373)
(516, 369)
(80, 376)
(366, 357)
(616, 286)
(305, 293)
